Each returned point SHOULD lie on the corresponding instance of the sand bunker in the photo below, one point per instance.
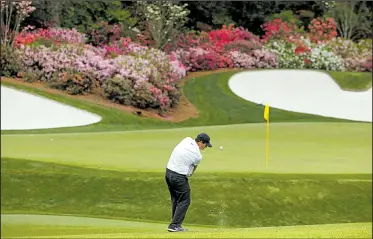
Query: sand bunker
(21, 111)
(303, 91)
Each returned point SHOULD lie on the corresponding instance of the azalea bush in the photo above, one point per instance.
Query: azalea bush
(277, 29)
(321, 57)
(358, 64)
(287, 55)
(103, 33)
(365, 47)
(78, 68)
(321, 30)
(73, 82)
(218, 39)
(344, 48)
(243, 46)
(257, 59)
(306, 55)
(9, 60)
(198, 59)
(53, 36)
(12, 14)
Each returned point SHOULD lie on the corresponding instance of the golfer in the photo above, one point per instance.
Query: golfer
(182, 163)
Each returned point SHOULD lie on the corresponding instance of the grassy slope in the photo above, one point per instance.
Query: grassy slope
(210, 94)
(225, 199)
(294, 147)
(355, 81)
(33, 197)
(59, 226)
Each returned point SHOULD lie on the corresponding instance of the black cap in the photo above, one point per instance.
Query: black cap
(204, 138)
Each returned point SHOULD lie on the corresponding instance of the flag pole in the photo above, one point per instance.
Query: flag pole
(267, 143)
(266, 117)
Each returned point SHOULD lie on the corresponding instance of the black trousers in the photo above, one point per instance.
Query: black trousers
(179, 188)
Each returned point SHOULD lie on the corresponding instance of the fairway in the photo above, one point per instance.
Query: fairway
(44, 226)
(294, 148)
(106, 180)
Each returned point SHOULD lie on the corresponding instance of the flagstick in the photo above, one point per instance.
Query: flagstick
(267, 143)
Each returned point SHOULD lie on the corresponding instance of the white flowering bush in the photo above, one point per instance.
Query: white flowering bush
(305, 54)
(364, 47)
(12, 13)
(286, 56)
(322, 57)
(163, 19)
(343, 47)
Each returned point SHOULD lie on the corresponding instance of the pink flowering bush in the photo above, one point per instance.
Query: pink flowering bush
(151, 73)
(356, 56)
(358, 64)
(53, 35)
(197, 59)
(258, 59)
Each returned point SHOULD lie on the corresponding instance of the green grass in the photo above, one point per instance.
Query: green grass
(53, 225)
(294, 148)
(211, 95)
(224, 199)
(356, 81)
(313, 162)
(39, 226)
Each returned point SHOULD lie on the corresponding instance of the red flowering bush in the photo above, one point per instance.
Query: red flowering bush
(221, 37)
(197, 59)
(50, 35)
(277, 29)
(321, 30)
(211, 50)
(189, 40)
(103, 34)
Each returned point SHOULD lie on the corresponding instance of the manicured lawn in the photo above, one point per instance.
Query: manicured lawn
(211, 95)
(356, 81)
(294, 148)
(38, 226)
(319, 172)
(218, 199)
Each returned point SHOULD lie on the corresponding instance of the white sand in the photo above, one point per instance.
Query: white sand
(303, 91)
(21, 110)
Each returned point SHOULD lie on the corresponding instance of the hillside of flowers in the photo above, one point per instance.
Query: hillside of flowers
(137, 74)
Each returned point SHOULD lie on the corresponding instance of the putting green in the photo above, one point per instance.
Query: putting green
(48, 226)
(294, 148)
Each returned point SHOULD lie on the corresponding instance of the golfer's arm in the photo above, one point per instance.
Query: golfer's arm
(195, 167)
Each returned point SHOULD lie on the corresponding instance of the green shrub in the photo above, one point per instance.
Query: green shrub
(119, 89)
(10, 65)
(286, 16)
(365, 47)
(242, 46)
(143, 97)
(41, 41)
(31, 75)
(72, 82)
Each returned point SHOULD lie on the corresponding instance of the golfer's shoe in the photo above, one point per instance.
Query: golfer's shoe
(177, 229)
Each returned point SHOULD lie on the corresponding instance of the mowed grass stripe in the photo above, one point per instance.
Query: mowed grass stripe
(363, 230)
(224, 199)
(293, 148)
(350, 230)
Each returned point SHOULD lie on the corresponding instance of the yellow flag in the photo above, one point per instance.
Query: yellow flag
(266, 112)
(266, 117)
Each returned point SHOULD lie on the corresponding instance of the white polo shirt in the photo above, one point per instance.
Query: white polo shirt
(184, 156)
